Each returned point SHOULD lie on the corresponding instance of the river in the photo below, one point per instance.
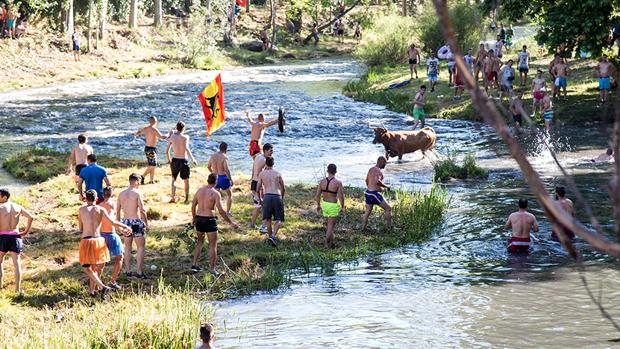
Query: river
(460, 289)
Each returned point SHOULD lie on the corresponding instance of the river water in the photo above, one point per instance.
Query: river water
(460, 289)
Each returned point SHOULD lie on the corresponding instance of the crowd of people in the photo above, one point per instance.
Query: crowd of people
(13, 20)
(499, 74)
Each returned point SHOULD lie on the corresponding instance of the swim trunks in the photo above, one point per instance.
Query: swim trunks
(78, 169)
(179, 166)
(76, 47)
(114, 244)
(560, 82)
(206, 224)
(603, 83)
(538, 95)
(457, 80)
(254, 148)
(519, 245)
(548, 115)
(11, 23)
(137, 227)
(253, 188)
(330, 209)
(524, 69)
(413, 61)
(151, 155)
(273, 207)
(93, 250)
(492, 76)
(11, 242)
(223, 183)
(373, 197)
(418, 113)
(517, 118)
(554, 234)
(432, 77)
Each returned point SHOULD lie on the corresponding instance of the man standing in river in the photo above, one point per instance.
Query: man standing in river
(567, 206)
(271, 192)
(179, 143)
(78, 156)
(10, 237)
(218, 164)
(328, 194)
(258, 130)
(375, 185)
(521, 223)
(205, 202)
(131, 205)
(152, 135)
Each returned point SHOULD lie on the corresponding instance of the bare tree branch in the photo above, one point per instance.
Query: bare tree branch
(615, 184)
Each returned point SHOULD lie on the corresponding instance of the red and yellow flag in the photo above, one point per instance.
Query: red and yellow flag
(212, 101)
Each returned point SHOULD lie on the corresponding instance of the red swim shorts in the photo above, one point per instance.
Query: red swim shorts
(492, 76)
(517, 244)
(457, 81)
(538, 95)
(254, 148)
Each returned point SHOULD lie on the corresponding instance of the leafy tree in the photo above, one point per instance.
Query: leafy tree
(568, 24)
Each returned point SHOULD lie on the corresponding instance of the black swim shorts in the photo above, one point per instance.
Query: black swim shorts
(78, 169)
(11, 244)
(206, 224)
(179, 166)
(273, 207)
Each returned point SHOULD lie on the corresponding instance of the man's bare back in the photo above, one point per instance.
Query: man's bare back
(330, 194)
(218, 164)
(258, 166)
(207, 199)
(374, 176)
(566, 205)
(9, 217)
(90, 220)
(81, 152)
(179, 145)
(522, 222)
(130, 202)
(271, 180)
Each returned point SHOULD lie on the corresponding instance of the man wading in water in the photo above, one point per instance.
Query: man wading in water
(521, 222)
(152, 135)
(567, 206)
(258, 130)
(328, 194)
(375, 185)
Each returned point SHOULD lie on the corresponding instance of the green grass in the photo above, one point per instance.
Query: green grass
(448, 168)
(579, 107)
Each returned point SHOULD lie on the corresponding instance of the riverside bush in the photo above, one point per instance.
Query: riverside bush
(386, 41)
(417, 214)
(466, 21)
(448, 168)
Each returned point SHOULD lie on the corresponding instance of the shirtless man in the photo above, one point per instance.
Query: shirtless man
(604, 70)
(414, 59)
(271, 193)
(538, 84)
(10, 237)
(418, 107)
(131, 204)
(78, 155)
(517, 111)
(491, 70)
(561, 71)
(257, 168)
(93, 250)
(606, 156)
(258, 130)
(521, 222)
(567, 206)
(218, 164)
(547, 110)
(329, 193)
(112, 240)
(479, 61)
(375, 185)
(152, 135)
(556, 59)
(207, 336)
(179, 143)
(206, 201)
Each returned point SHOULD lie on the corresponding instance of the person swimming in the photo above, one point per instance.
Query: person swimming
(607, 156)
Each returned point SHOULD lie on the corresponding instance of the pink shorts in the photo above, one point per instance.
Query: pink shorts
(538, 95)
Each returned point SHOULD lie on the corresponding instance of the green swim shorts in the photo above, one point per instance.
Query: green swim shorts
(418, 114)
(330, 209)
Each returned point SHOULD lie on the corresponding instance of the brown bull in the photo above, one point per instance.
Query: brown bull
(401, 142)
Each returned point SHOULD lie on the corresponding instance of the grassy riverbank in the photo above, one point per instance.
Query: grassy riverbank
(54, 282)
(580, 107)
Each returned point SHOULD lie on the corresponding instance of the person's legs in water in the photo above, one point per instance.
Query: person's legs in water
(212, 237)
(200, 241)
(140, 242)
(367, 212)
(127, 259)
(388, 213)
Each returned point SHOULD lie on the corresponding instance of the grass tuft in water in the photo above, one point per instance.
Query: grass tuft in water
(448, 168)
(418, 214)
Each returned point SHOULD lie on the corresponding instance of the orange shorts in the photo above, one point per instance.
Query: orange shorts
(93, 250)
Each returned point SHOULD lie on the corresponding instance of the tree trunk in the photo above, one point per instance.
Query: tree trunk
(158, 14)
(274, 28)
(90, 24)
(404, 8)
(133, 14)
(247, 6)
(69, 17)
(103, 19)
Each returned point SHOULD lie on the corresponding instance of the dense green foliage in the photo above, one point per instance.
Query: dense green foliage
(448, 168)
(418, 214)
(466, 21)
(569, 25)
(386, 41)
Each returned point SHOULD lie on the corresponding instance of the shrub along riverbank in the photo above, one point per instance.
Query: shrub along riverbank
(54, 282)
